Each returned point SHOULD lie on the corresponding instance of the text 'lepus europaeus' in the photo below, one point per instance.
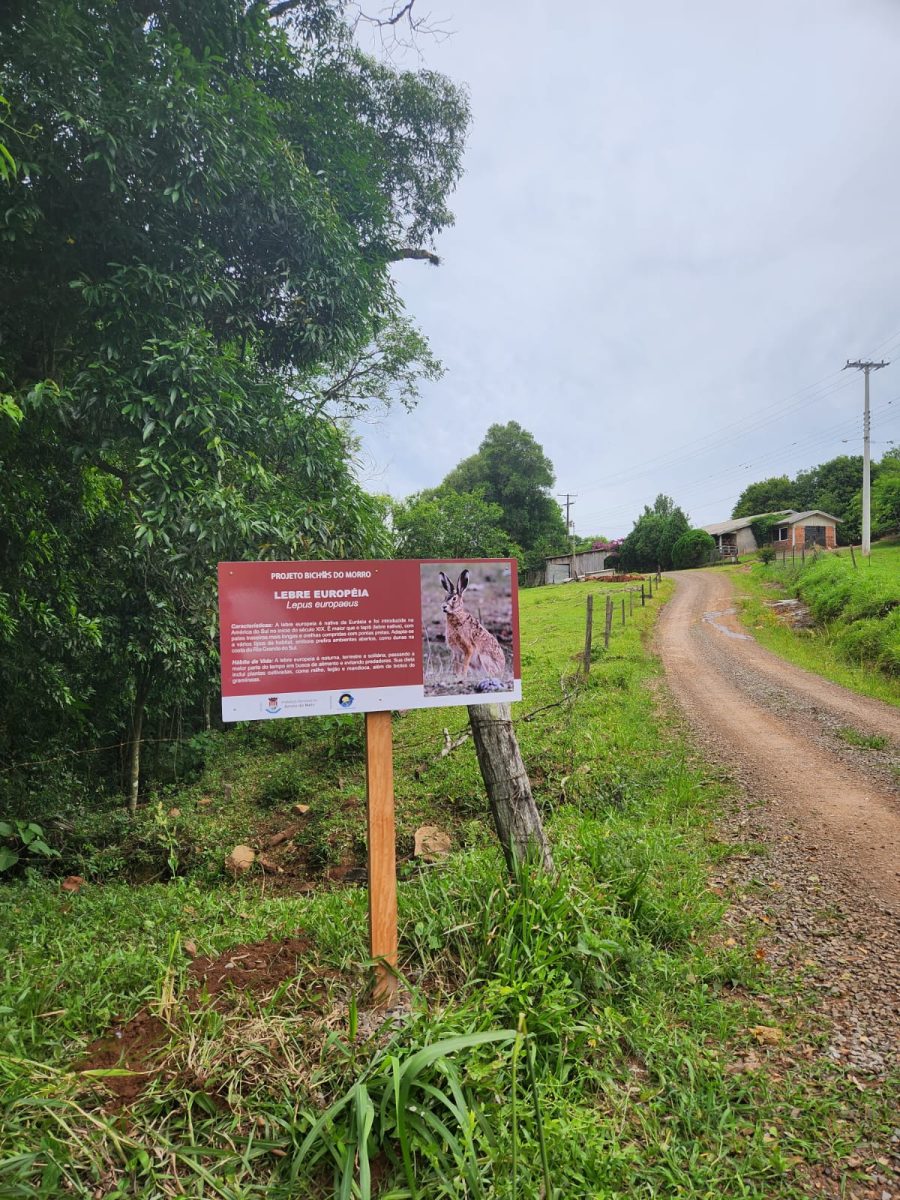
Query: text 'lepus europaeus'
(469, 641)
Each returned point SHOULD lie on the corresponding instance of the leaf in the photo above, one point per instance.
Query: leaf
(767, 1035)
(8, 858)
(39, 846)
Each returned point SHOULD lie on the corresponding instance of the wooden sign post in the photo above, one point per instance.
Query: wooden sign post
(382, 854)
(321, 638)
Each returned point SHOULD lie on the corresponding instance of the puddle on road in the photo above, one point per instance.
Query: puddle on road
(710, 618)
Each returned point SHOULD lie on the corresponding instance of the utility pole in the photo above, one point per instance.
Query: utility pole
(866, 367)
(570, 500)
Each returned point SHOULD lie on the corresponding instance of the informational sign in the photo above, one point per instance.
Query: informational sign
(310, 638)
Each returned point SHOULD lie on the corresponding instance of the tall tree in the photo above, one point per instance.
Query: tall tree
(514, 472)
(768, 495)
(195, 269)
(650, 543)
(831, 485)
(886, 495)
(447, 524)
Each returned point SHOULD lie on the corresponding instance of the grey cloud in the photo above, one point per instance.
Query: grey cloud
(673, 216)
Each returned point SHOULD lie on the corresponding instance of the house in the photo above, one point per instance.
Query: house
(793, 531)
(813, 528)
(736, 536)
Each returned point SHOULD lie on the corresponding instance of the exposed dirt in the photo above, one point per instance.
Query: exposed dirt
(814, 826)
(130, 1046)
(256, 968)
(778, 727)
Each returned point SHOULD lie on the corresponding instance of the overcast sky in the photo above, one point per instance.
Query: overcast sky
(676, 223)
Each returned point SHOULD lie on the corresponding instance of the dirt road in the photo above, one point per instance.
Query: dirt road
(813, 828)
(778, 727)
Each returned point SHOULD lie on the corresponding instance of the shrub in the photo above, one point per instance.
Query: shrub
(695, 548)
(766, 554)
(873, 640)
(763, 527)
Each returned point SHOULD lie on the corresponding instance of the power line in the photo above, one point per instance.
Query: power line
(719, 437)
(820, 437)
(802, 398)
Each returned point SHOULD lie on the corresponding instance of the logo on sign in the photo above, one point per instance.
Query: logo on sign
(273, 706)
(345, 700)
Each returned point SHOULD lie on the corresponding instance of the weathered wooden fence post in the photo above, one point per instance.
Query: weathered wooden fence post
(623, 610)
(649, 587)
(642, 594)
(608, 626)
(630, 601)
(588, 631)
(853, 556)
(515, 814)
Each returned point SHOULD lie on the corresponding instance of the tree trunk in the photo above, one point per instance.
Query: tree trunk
(134, 751)
(516, 817)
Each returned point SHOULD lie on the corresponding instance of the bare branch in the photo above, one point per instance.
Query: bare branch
(415, 252)
(395, 18)
(282, 7)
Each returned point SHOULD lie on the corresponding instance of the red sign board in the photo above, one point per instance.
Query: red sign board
(309, 638)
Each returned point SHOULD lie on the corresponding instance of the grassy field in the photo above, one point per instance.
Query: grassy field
(591, 1034)
(856, 641)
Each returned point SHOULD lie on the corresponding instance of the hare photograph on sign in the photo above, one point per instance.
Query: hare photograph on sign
(467, 628)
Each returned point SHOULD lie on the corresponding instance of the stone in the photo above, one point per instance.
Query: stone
(431, 843)
(240, 860)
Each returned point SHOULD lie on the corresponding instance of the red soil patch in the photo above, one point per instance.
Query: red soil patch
(129, 1046)
(256, 967)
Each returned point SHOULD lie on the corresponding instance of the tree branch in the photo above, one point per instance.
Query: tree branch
(414, 252)
(282, 7)
(397, 16)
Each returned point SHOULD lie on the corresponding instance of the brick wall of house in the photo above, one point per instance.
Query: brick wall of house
(797, 536)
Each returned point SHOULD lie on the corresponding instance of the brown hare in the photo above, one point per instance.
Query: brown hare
(469, 641)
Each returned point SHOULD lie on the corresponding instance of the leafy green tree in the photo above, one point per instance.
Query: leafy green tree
(886, 495)
(514, 472)
(196, 281)
(695, 548)
(768, 495)
(831, 487)
(650, 543)
(447, 524)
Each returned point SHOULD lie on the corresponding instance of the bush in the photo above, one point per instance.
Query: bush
(861, 611)
(766, 554)
(695, 548)
(873, 640)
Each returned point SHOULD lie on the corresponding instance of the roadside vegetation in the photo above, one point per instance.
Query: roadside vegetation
(591, 1033)
(855, 637)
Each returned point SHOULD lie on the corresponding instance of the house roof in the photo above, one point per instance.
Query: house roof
(740, 523)
(793, 518)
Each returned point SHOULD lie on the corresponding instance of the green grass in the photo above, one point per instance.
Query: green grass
(856, 642)
(863, 741)
(573, 1032)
